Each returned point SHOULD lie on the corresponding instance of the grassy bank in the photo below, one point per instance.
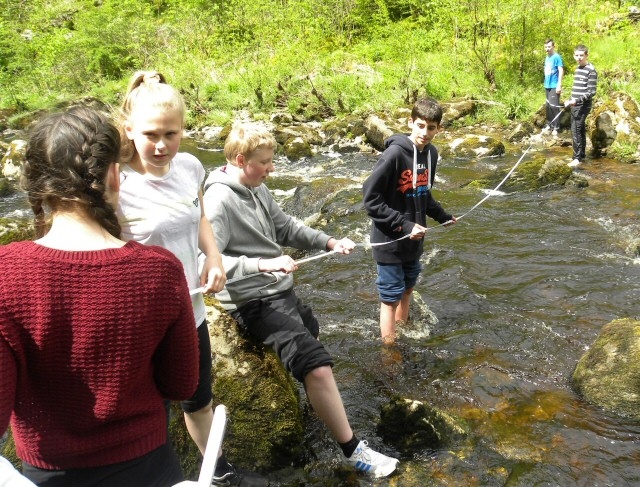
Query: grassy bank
(310, 57)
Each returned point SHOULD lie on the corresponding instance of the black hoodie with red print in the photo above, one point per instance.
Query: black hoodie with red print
(397, 195)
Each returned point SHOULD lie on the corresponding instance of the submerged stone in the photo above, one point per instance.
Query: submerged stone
(608, 375)
(411, 426)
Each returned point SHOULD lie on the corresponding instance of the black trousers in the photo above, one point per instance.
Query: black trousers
(158, 468)
(579, 129)
(553, 108)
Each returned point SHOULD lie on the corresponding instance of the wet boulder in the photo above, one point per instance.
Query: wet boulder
(379, 129)
(473, 145)
(615, 126)
(456, 110)
(608, 374)
(14, 159)
(520, 132)
(310, 197)
(532, 174)
(263, 401)
(412, 426)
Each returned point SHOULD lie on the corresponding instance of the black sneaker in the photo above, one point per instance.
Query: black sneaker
(227, 474)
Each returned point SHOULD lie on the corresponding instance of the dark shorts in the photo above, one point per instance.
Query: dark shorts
(158, 468)
(203, 394)
(394, 279)
(288, 326)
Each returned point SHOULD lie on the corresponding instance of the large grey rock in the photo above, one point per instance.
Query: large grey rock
(615, 125)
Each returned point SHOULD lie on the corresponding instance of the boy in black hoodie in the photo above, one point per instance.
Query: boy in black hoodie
(398, 199)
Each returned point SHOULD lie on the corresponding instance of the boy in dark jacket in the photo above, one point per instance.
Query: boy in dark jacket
(398, 199)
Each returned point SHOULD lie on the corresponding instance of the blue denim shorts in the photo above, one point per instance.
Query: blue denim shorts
(394, 279)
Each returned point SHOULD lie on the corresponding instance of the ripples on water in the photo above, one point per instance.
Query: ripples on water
(509, 300)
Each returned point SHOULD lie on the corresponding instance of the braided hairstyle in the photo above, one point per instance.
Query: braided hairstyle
(66, 164)
(147, 90)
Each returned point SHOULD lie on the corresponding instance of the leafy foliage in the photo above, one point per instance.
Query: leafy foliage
(313, 57)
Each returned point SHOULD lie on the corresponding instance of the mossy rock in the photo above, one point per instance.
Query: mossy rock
(297, 148)
(343, 128)
(266, 427)
(15, 229)
(8, 449)
(412, 426)
(472, 145)
(533, 174)
(13, 159)
(616, 118)
(608, 375)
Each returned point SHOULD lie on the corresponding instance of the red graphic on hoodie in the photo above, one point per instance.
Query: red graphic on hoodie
(405, 182)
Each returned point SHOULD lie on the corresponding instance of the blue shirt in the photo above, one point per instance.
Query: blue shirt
(551, 65)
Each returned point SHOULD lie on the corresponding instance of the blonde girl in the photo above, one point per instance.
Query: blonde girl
(161, 204)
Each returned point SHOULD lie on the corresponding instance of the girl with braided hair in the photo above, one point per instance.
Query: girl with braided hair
(95, 332)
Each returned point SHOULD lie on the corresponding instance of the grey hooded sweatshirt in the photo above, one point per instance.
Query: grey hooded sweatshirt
(249, 225)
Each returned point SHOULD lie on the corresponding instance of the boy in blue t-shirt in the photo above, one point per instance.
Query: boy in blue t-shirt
(553, 73)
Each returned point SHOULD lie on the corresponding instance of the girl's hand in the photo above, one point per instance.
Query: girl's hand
(213, 277)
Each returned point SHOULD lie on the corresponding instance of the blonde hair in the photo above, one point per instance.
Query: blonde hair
(245, 138)
(146, 90)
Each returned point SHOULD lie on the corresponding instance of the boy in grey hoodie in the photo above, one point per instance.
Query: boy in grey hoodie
(250, 229)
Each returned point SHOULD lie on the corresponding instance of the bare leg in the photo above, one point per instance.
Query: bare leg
(324, 396)
(388, 321)
(199, 424)
(402, 311)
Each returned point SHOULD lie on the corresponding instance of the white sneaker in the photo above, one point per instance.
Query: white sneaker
(367, 460)
(574, 163)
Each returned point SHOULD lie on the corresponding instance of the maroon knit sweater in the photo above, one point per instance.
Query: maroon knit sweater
(90, 344)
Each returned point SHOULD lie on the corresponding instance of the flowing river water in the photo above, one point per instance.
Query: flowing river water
(509, 300)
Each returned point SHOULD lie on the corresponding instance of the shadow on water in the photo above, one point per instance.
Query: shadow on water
(509, 300)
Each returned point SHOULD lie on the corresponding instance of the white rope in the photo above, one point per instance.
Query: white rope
(494, 190)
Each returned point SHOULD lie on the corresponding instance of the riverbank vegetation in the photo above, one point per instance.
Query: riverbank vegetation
(315, 58)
